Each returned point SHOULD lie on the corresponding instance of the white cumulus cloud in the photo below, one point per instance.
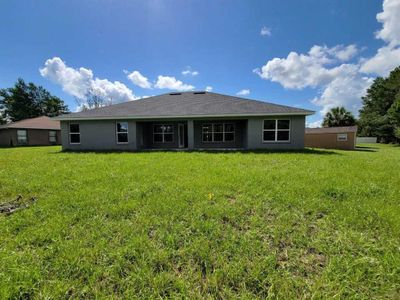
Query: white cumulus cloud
(209, 88)
(171, 83)
(390, 17)
(323, 68)
(344, 53)
(345, 90)
(78, 82)
(384, 61)
(312, 69)
(265, 31)
(189, 72)
(243, 92)
(388, 56)
(138, 79)
(315, 124)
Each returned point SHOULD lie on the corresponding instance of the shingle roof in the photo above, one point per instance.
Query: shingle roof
(345, 129)
(34, 123)
(187, 104)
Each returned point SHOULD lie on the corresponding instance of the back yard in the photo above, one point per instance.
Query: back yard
(221, 225)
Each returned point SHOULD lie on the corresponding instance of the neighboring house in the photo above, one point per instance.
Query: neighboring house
(189, 120)
(331, 137)
(40, 131)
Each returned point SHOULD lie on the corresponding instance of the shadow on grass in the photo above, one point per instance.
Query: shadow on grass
(208, 151)
(365, 149)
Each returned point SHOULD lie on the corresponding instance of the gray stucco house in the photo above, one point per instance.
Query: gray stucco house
(188, 120)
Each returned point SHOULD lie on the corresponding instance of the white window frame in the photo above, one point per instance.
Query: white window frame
(276, 130)
(55, 136)
(123, 132)
(26, 137)
(213, 132)
(71, 133)
(163, 133)
(339, 135)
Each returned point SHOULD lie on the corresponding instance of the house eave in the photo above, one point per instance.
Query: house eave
(60, 118)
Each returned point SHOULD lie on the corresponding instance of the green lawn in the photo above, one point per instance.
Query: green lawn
(322, 224)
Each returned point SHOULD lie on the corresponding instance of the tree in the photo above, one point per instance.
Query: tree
(24, 101)
(380, 114)
(337, 117)
(394, 117)
(92, 99)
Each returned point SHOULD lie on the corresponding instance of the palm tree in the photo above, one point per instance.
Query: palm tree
(338, 116)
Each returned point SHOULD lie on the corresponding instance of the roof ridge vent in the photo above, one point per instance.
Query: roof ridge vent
(175, 94)
(199, 93)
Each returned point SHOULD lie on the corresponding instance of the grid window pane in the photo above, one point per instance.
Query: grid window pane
(168, 138)
(207, 137)
(229, 128)
(218, 137)
(218, 127)
(283, 124)
(74, 128)
(207, 128)
(229, 136)
(21, 133)
(52, 136)
(75, 138)
(158, 138)
(163, 133)
(22, 137)
(269, 135)
(269, 124)
(157, 129)
(168, 129)
(122, 137)
(283, 135)
(122, 127)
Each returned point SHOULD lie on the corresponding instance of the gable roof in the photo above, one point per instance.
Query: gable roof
(345, 129)
(34, 123)
(186, 104)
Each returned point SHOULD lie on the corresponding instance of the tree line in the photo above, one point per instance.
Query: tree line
(380, 113)
(26, 100)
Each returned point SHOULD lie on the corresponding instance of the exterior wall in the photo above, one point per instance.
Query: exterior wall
(255, 134)
(238, 143)
(329, 141)
(8, 137)
(40, 137)
(101, 135)
(35, 137)
(98, 136)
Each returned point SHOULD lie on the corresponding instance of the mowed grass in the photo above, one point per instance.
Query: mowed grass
(316, 223)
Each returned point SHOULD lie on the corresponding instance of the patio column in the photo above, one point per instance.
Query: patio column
(133, 134)
(190, 134)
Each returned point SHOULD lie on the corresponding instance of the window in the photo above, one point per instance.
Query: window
(342, 137)
(74, 134)
(276, 131)
(163, 133)
(53, 137)
(122, 132)
(218, 132)
(22, 137)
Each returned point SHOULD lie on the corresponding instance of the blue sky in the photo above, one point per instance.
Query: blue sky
(221, 44)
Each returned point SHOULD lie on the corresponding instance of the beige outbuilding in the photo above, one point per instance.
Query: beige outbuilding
(331, 137)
